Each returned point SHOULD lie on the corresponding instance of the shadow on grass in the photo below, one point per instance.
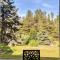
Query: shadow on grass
(11, 57)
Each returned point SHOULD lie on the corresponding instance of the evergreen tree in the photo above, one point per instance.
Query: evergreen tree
(28, 21)
(40, 19)
(10, 21)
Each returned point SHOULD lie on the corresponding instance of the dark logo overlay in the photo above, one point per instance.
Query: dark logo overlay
(31, 54)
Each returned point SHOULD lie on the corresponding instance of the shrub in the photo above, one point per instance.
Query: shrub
(33, 43)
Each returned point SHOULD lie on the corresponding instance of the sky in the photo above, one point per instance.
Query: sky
(46, 5)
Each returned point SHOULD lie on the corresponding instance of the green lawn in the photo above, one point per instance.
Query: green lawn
(46, 52)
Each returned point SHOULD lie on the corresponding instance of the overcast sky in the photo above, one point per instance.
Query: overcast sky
(45, 5)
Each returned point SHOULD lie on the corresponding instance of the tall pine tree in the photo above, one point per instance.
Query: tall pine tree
(10, 21)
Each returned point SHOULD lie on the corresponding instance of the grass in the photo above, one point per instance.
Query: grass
(46, 52)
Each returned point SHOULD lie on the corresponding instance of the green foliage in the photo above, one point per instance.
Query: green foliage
(5, 49)
(33, 43)
(40, 27)
(25, 38)
(37, 27)
(9, 21)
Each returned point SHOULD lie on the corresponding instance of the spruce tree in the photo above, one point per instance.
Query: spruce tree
(9, 20)
(28, 22)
